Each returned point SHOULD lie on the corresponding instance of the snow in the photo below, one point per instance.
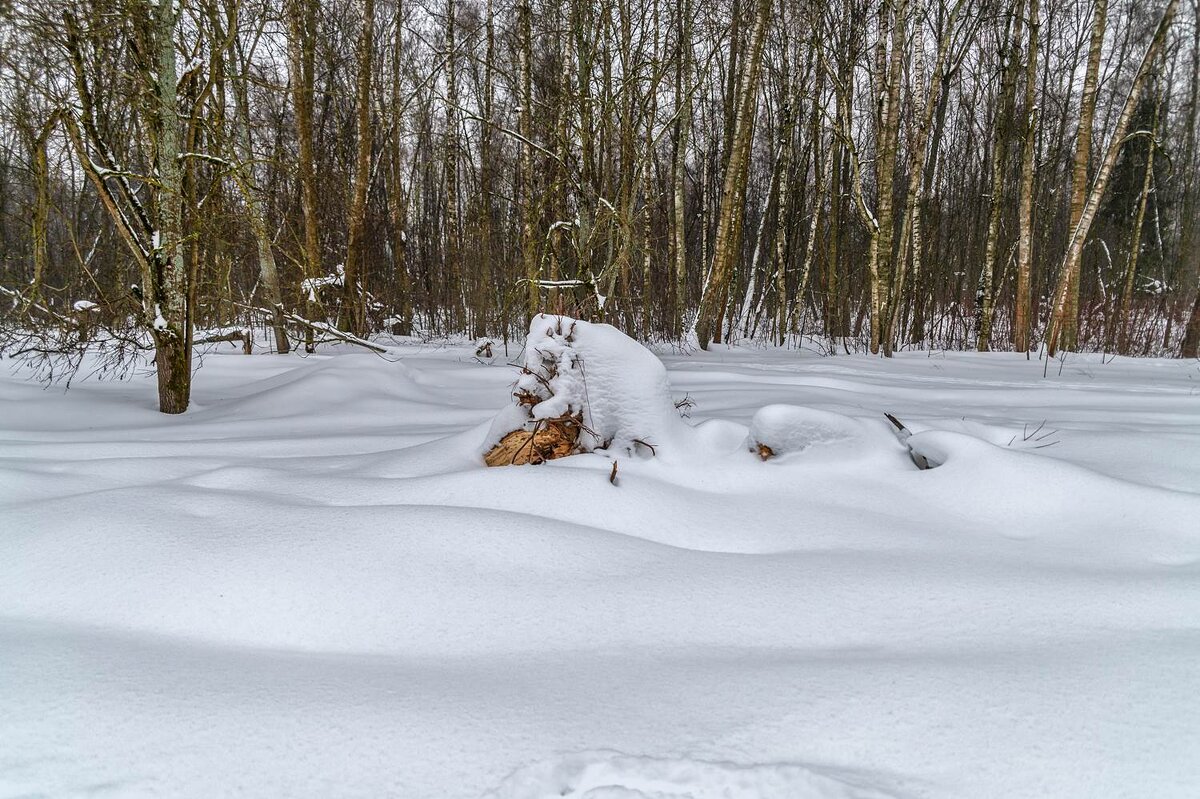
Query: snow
(309, 584)
(603, 775)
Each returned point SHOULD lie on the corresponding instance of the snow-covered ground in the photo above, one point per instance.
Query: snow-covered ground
(309, 585)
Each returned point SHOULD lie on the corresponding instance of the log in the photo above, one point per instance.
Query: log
(232, 335)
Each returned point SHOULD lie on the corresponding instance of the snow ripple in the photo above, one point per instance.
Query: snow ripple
(609, 775)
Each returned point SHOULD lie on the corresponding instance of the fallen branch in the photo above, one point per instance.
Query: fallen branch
(28, 303)
(320, 327)
(241, 335)
(904, 434)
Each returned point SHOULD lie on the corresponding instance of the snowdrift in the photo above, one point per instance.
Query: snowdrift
(609, 775)
(314, 563)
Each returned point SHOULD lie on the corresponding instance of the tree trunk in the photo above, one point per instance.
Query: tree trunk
(728, 243)
(1191, 336)
(683, 124)
(451, 235)
(525, 125)
(398, 196)
(353, 297)
(171, 326)
(301, 41)
(1021, 316)
(268, 274)
(987, 292)
(881, 256)
(1070, 264)
(783, 216)
(1189, 252)
(483, 294)
(40, 218)
(1066, 314)
(923, 119)
(1135, 246)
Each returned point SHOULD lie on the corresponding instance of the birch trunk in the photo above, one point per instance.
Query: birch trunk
(398, 197)
(525, 125)
(1070, 265)
(1066, 314)
(923, 113)
(987, 293)
(268, 275)
(1021, 315)
(779, 251)
(301, 45)
(683, 123)
(451, 233)
(1135, 246)
(483, 295)
(728, 244)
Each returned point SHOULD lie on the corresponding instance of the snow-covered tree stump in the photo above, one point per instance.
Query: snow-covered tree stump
(583, 388)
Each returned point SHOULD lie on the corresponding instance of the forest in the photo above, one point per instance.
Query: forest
(850, 176)
(583, 399)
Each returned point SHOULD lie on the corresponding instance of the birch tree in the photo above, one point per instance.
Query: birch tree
(1066, 313)
(1062, 317)
(1021, 312)
(728, 242)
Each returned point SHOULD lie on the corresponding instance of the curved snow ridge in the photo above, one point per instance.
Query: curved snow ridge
(611, 775)
(318, 388)
(1059, 501)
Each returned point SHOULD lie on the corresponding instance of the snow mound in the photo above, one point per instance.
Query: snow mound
(788, 429)
(617, 388)
(599, 775)
(332, 383)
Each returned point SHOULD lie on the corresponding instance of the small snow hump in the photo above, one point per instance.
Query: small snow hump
(786, 429)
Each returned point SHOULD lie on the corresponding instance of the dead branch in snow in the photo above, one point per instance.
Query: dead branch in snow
(904, 434)
(241, 334)
(320, 327)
